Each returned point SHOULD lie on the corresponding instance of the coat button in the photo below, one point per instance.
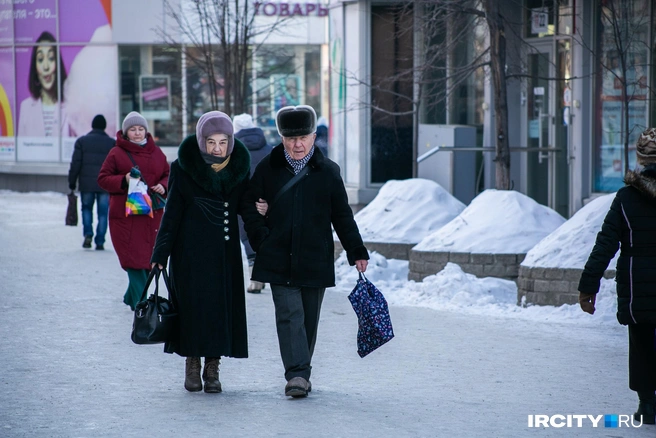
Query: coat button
(226, 229)
(226, 221)
(227, 237)
(225, 204)
(225, 213)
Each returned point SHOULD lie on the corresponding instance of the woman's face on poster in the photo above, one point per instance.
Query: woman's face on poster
(46, 66)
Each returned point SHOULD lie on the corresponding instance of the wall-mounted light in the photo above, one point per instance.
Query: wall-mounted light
(577, 103)
(485, 106)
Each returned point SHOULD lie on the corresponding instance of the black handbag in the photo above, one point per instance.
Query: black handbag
(71, 211)
(155, 319)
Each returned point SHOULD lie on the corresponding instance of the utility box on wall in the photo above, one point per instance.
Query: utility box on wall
(453, 170)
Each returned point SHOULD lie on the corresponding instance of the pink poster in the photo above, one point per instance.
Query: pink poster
(32, 18)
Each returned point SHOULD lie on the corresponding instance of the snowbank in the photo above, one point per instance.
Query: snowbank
(454, 290)
(496, 222)
(407, 211)
(570, 245)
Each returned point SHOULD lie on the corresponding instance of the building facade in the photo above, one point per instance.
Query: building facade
(64, 61)
(580, 76)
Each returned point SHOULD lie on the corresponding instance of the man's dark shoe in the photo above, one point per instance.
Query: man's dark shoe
(100, 248)
(192, 374)
(297, 387)
(647, 411)
(87, 242)
(211, 375)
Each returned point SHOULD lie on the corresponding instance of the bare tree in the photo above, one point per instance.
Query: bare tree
(220, 39)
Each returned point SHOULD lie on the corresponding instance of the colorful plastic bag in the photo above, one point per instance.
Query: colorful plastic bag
(138, 200)
(374, 323)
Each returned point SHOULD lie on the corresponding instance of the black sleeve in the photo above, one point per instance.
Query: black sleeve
(170, 225)
(344, 223)
(254, 222)
(605, 248)
(76, 165)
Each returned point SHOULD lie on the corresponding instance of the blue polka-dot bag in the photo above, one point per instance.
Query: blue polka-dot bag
(374, 323)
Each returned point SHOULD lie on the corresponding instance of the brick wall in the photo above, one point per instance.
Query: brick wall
(399, 251)
(550, 286)
(425, 263)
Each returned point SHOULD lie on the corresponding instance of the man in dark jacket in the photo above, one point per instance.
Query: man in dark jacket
(253, 138)
(88, 156)
(294, 242)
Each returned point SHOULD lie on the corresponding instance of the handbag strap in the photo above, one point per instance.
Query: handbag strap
(290, 184)
(154, 273)
(134, 163)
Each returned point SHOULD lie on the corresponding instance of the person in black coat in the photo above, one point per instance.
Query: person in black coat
(630, 225)
(294, 242)
(254, 140)
(200, 235)
(88, 156)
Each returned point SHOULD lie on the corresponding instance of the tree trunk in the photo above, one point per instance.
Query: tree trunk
(497, 67)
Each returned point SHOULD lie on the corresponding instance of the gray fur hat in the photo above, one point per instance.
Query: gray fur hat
(133, 119)
(214, 122)
(646, 147)
(294, 121)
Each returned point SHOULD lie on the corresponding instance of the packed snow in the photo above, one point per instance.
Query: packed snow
(570, 245)
(406, 211)
(496, 222)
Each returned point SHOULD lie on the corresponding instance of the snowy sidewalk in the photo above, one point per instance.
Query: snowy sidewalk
(70, 369)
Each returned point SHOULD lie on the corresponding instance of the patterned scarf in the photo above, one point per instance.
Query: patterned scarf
(298, 165)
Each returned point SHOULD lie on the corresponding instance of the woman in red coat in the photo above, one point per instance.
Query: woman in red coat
(133, 236)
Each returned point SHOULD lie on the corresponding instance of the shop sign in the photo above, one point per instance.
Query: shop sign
(270, 9)
(155, 92)
(539, 20)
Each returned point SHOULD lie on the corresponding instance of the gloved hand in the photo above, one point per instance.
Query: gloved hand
(587, 302)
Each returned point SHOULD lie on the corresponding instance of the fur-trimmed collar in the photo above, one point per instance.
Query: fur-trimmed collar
(278, 157)
(645, 180)
(218, 183)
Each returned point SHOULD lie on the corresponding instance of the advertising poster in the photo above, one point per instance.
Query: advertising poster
(91, 86)
(7, 105)
(39, 123)
(6, 22)
(32, 18)
(155, 100)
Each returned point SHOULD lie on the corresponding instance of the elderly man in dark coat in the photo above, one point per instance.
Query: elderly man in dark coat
(200, 234)
(88, 156)
(294, 242)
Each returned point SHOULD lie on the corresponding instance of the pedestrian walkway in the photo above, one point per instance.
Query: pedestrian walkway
(70, 369)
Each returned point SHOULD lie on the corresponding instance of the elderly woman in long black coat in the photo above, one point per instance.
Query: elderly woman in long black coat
(200, 234)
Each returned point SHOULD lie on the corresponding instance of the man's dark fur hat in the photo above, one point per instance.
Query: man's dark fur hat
(294, 121)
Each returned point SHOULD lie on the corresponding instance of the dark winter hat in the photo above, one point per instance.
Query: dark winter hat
(133, 119)
(99, 122)
(294, 121)
(214, 122)
(646, 147)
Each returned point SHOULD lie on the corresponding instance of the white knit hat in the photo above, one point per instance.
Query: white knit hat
(133, 119)
(243, 121)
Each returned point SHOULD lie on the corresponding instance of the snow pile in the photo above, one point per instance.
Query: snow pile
(454, 290)
(496, 222)
(570, 245)
(407, 211)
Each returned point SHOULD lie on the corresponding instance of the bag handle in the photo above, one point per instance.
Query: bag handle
(154, 273)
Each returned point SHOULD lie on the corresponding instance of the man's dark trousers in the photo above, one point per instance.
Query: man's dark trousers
(297, 318)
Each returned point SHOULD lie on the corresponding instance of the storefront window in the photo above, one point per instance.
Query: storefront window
(619, 89)
(285, 75)
(150, 84)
